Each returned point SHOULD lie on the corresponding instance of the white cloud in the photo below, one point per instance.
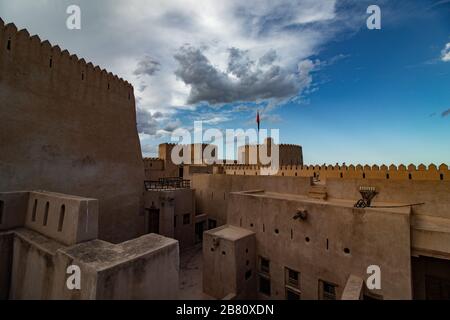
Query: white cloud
(273, 42)
(446, 53)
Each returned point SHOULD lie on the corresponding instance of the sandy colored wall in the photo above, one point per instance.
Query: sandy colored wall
(212, 191)
(373, 237)
(391, 173)
(228, 254)
(69, 128)
(174, 205)
(143, 268)
(14, 209)
(6, 256)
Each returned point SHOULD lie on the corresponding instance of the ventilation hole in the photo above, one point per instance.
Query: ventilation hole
(62, 213)
(296, 174)
(282, 174)
(212, 249)
(8, 44)
(224, 253)
(47, 207)
(2, 205)
(292, 234)
(251, 225)
(264, 227)
(248, 274)
(33, 215)
(327, 244)
(247, 263)
(129, 96)
(307, 239)
(342, 175)
(364, 175)
(277, 231)
(50, 64)
(246, 250)
(109, 86)
(346, 250)
(387, 176)
(410, 176)
(82, 76)
(441, 176)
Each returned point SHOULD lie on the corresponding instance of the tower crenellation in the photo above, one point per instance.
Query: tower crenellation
(67, 73)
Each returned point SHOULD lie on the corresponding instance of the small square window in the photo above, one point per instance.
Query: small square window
(292, 278)
(264, 286)
(264, 265)
(187, 218)
(327, 290)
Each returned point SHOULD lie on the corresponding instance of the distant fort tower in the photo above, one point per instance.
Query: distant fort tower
(290, 154)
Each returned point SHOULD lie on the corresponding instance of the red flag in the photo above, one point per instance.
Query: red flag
(258, 121)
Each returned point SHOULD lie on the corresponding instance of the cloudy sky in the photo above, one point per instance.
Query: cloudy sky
(311, 67)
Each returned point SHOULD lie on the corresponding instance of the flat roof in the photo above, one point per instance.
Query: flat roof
(229, 232)
(347, 203)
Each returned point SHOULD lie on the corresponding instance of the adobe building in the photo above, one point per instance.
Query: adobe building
(169, 209)
(311, 242)
(42, 234)
(70, 127)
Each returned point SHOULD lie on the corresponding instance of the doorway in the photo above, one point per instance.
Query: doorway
(153, 220)
(199, 229)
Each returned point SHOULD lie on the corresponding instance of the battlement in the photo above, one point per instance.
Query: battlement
(18, 47)
(392, 172)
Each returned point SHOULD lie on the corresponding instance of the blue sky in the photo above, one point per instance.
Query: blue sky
(312, 68)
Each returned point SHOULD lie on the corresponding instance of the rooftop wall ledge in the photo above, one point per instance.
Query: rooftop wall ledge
(443, 167)
(2, 23)
(422, 167)
(412, 167)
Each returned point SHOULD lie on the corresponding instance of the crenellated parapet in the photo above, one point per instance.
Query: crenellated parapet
(391, 172)
(34, 60)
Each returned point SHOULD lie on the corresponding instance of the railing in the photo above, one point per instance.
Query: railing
(167, 183)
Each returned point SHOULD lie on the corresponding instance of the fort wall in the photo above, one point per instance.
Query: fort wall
(70, 127)
(384, 172)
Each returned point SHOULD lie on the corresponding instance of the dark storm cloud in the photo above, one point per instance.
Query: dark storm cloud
(146, 123)
(147, 66)
(245, 80)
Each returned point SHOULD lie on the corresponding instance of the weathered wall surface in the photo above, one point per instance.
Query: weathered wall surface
(173, 205)
(392, 172)
(69, 127)
(6, 256)
(229, 263)
(373, 237)
(143, 268)
(212, 191)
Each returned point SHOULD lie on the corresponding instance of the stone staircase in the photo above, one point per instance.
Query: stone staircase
(318, 191)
